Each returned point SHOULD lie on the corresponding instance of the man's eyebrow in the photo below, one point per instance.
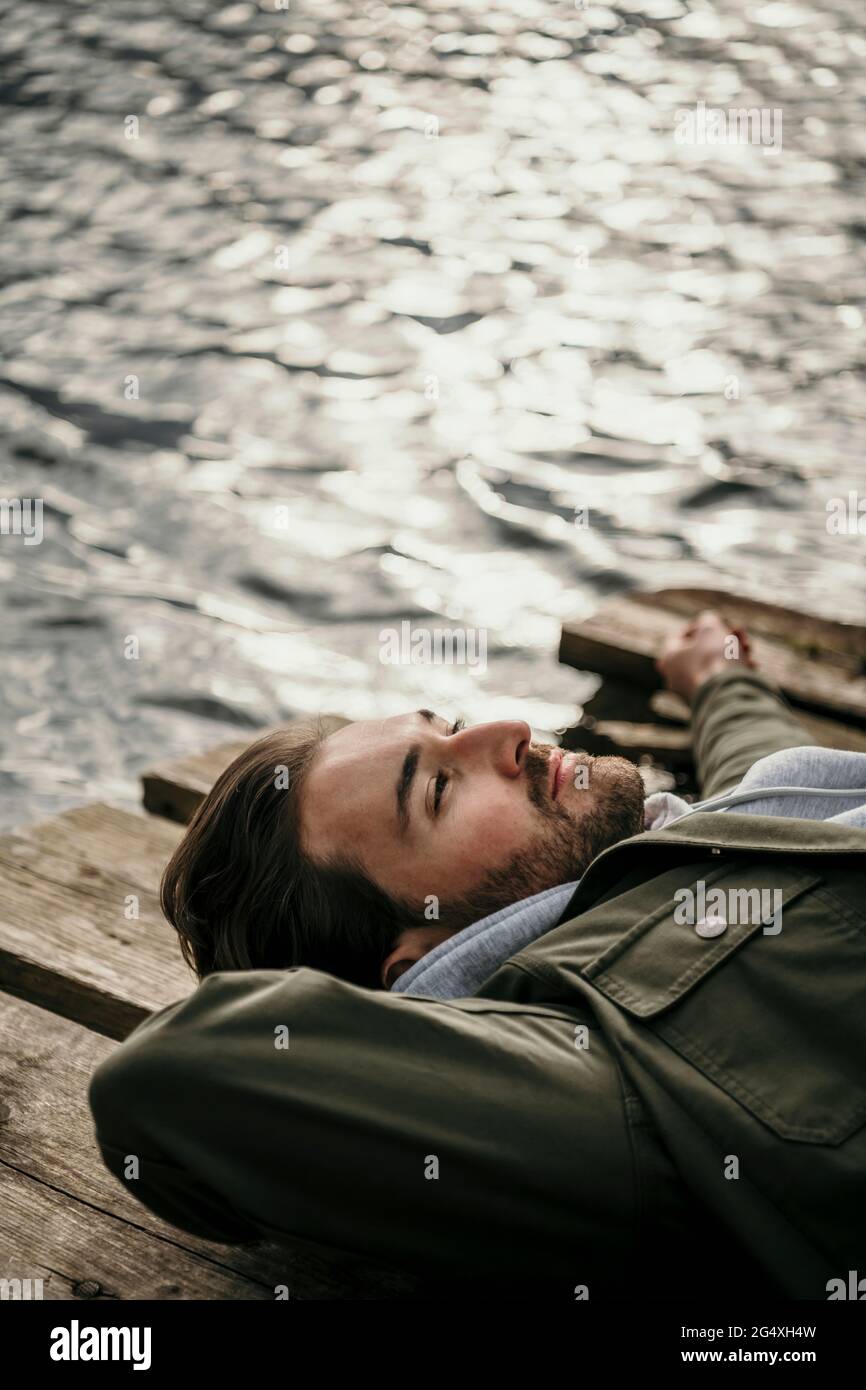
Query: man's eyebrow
(404, 785)
(407, 776)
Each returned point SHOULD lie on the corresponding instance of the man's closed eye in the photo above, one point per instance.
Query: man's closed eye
(441, 780)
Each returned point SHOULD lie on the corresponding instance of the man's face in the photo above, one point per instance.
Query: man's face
(475, 817)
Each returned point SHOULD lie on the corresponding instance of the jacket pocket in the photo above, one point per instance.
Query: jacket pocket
(776, 1018)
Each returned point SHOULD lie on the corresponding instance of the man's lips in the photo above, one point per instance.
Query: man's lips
(554, 762)
(562, 766)
(558, 770)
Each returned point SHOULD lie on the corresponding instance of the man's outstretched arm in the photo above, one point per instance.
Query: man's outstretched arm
(737, 716)
(464, 1139)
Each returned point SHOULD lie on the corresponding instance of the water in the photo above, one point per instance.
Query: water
(374, 305)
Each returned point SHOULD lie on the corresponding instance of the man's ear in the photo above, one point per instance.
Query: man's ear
(410, 946)
(393, 968)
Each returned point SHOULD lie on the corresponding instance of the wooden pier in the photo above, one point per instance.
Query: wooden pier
(85, 955)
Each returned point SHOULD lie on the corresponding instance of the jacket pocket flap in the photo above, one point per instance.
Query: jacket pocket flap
(672, 949)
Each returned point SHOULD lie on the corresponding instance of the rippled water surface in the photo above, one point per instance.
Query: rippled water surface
(320, 319)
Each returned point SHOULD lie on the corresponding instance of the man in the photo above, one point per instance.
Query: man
(636, 1103)
(359, 851)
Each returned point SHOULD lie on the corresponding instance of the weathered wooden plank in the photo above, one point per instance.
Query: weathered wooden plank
(664, 743)
(624, 638)
(121, 844)
(80, 1252)
(827, 733)
(97, 848)
(830, 733)
(81, 931)
(175, 788)
(46, 1132)
(803, 631)
(672, 746)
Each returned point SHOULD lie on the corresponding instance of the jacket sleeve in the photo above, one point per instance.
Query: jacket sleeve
(737, 718)
(468, 1138)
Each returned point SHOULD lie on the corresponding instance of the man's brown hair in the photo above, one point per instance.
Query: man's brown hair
(242, 894)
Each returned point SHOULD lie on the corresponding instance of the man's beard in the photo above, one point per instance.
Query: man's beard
(563, 847)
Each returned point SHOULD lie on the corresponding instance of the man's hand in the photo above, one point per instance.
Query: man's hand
(703, 648)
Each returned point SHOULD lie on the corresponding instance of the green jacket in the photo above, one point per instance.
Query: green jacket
(626, 1106)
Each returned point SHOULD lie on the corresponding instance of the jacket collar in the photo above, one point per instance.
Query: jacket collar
(714, 833)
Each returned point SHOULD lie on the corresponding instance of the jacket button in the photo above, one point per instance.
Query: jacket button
(711, 925)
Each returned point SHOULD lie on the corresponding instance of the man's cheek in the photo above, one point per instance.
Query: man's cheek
(498, 835)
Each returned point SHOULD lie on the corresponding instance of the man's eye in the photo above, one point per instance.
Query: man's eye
(441, 784)
(441, 781)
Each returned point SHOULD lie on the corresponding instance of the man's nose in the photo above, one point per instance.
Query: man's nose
(502, 744)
